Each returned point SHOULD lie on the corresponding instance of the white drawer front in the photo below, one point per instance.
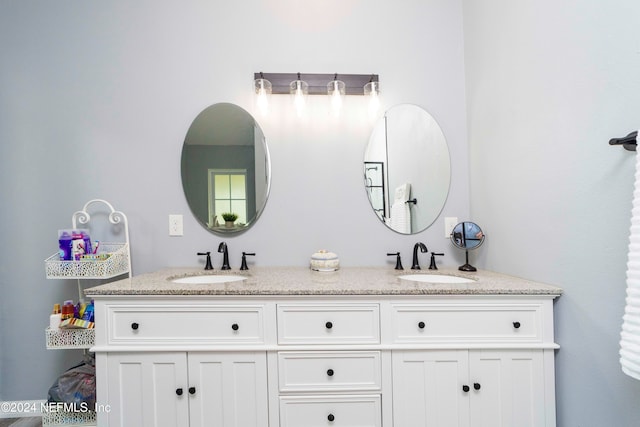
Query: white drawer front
(329, 371)
(469, 323)
(149, 324)
(334, 411)
(328, 324)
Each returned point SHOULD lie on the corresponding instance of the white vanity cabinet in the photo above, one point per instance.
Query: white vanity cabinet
(318, 387)
(181, 362)
(178, 389)
(481, 363)
(310, 354)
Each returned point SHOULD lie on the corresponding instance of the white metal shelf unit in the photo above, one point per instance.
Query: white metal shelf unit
(117, 262)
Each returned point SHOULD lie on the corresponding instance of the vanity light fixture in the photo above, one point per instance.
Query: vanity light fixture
(263, 89)
(299, 85)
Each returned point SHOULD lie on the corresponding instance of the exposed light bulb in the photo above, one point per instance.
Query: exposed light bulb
(299, 89)
(336, 90)
(372, 90)
(263, 89)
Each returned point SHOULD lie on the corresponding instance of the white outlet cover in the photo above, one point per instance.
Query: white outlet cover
(449, 223)
(176, 227)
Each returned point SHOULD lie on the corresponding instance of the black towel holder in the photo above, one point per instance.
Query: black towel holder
(628, 142)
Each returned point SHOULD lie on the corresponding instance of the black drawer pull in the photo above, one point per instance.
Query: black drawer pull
(476, 386)
(328, 325)
(421, 325)
(465, 388)
(192, 390)
(135, 326)
(235, 327)
(330, 372)
(179, 391)
(516, 325)
(331, 417)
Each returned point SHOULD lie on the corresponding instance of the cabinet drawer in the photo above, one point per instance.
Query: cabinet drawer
(328, 324)
(149, 324)
(329, 371)
(466, 322)
(335, 411)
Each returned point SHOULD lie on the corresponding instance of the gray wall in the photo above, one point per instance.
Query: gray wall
(96, 99)
(548, 84)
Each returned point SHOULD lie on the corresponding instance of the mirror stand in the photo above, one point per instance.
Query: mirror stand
(468, 236)
(467, 266)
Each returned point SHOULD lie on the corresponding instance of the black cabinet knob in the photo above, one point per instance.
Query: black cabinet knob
(330, 417)
(330, 372)
(192, 390)
(421, 325)
(465, 388)
(476, 386)
(328, 325)
(235, 327)
(179, 391)
(135, 326)
(516, 325)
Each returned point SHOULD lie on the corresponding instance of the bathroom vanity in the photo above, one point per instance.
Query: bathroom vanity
(291, 347)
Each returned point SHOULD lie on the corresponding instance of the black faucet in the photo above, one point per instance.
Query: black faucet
(243, 265)
(222, 248)
(423, 249)
(432, 265)
(398, 260)
(208, 265)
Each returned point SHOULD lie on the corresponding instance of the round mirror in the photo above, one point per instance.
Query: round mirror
(225, 169)
(407, 169)
(468, 236)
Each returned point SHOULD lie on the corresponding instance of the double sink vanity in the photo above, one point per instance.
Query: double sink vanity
(287, 346)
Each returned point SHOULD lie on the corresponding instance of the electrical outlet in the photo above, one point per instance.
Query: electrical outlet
(449, 223)
(175, 225)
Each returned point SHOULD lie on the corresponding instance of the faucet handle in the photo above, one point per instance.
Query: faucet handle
(208, 265)
(432, 265)
(243, 265)
(398, 260)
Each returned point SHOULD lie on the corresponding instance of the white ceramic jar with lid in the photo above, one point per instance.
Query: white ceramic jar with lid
(324, 260)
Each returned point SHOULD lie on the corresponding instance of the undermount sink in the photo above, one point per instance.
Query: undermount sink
(435, 278)
(206, 279)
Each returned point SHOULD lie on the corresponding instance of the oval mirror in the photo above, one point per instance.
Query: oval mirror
(468, 236)
(225, 169)
(407, 169)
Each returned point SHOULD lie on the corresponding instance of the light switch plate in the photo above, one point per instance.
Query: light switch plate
(175, 225)
(449, 223)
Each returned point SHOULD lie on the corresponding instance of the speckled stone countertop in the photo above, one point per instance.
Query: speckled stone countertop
(303, 281)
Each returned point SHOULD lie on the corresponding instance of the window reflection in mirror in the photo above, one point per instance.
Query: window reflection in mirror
(407, 169)
(225, 168)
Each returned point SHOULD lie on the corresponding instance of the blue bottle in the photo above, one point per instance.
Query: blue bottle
(65, 245)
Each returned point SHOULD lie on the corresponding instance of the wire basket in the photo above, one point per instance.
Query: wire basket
(67, 418)
(116, 264)
(70, 338)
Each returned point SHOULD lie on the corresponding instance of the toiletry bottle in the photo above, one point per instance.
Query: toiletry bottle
(56, 317)
(67, 310)
(88, 312)
(65, 243)
(87, 242)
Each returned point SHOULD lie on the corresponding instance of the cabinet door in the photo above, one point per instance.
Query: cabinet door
(427, 388)
(507, 388)
(147, 390)
(228, 389)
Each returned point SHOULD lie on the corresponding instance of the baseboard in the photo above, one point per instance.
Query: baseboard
(21, 408)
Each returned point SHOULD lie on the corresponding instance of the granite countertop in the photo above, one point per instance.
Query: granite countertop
(303, 281)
